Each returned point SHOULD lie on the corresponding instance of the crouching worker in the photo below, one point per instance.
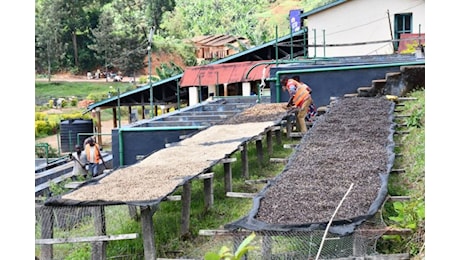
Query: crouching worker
(79, 158)
(300, 99)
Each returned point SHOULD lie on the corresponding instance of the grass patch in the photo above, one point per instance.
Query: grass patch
(409, 214)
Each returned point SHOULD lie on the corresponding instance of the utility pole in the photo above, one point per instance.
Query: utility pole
(152, 29)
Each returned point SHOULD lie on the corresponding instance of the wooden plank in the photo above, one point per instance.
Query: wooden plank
(403, 256)
(289, 146)
(228, 160)
(173, 198)
(240, 195)
(257, 181)
(73, 185)
(47, 184)
(296, 134)
(221, 232)
(385, 231)
(399, 198)
(52, 241)
(206, 176)
(275, 128)
(406, 98)
(279, 160)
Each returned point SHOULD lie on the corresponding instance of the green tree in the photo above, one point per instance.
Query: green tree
(196, 17)
(106, 43)
(48, 36)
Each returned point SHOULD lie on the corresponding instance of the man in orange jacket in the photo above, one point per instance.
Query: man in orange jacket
(300, 98)
(93, 157)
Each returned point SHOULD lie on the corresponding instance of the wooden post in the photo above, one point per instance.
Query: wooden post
(114, 117)
(186, 202)
(130, 111)
(147, 232)
(260, 152)
(208, 190)
(228, 174)
(99, 126)
(288, 127)
(47, 220)
(267, 242)
(143, 112)
(270, 142)
(277, 130)
(99, 249)
(245, 161)
(133, 212)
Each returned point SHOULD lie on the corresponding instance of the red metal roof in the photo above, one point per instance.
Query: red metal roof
(224, 73)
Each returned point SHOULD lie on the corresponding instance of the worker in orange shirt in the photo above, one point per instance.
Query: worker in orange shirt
(93, 156)
(300, 99)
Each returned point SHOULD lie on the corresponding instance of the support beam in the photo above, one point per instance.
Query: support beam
(67, 240)
(186, 203)
(99, 248)
(260, 151)
(228, 173)
(46, 219)
(269, 137)
(245, 161)
(148, 232)
(208, 190)
(241, 195)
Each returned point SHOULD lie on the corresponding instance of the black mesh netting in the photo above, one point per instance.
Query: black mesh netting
(350, 144)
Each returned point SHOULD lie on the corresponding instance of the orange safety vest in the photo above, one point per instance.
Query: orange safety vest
(301, 95)
(96, 152)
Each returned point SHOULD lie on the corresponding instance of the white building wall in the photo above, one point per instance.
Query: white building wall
(359, 21)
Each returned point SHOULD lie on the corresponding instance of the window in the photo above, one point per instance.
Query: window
(403, 24)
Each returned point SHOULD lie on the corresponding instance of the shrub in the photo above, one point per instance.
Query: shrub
(40, 116)
(74, 102)
(143, 79)
(41, 128)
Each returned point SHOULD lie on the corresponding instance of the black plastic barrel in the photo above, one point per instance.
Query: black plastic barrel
(70, 130)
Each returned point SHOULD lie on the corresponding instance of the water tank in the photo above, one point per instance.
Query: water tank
(70, 130)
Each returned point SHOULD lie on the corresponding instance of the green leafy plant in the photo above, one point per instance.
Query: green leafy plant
(226, 254)
(416, 119)
(409, 214)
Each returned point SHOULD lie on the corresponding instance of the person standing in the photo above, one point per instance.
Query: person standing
(79, 158)
(93, 157)
(300, 98)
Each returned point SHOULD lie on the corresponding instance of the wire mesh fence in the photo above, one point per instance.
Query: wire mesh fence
(73, 224)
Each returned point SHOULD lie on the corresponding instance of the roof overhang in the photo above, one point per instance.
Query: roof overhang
(225, 73)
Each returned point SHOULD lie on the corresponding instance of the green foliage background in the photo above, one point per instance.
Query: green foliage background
(81, 36)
